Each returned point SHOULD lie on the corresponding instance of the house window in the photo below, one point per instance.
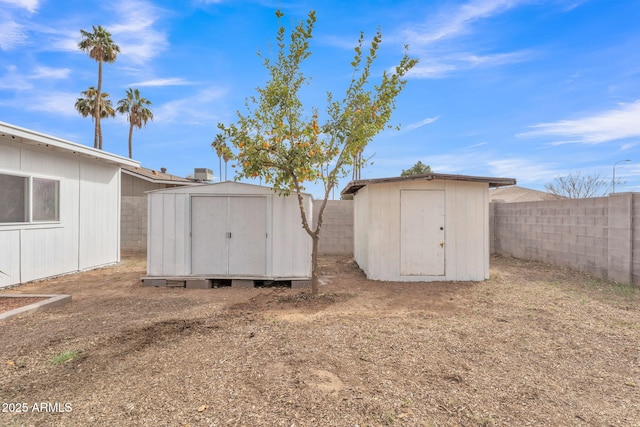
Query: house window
(26, 199)
(46, 198)
(13, 198)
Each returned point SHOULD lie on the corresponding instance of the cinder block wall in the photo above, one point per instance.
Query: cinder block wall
(336, 235)
(595, 235)
(133, 228)
(133, 213)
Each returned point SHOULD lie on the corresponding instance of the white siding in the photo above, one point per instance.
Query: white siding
(9, 257)
(87, 234)
(99, 224)
(377, 229)
(361, 212)
(287, 247)
(291, 245)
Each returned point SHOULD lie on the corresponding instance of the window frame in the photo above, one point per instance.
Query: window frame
(29, 199)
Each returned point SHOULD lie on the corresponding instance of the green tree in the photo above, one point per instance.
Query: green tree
(99, 46)
(138, 114)
(87, 105)
(417, 169)
(279, 142)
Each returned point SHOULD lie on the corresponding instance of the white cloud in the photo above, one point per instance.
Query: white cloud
(432, 67)
(441, 54)
(421, 123)
(616, 124)
(66, 41)
(30, 5)
(42, 72)
(196, 109)
(492, 60)
(174, 81)
(525, 170)
(61, 103)
(454, 22)
(12, 35)
(54, 103)
(136, 35)
(20, 81)
(13, 80)
(480, 144)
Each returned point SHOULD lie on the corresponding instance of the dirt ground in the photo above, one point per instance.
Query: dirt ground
(534, 345)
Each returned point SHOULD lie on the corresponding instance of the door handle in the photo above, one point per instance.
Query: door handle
(442, 244)
(228, 235)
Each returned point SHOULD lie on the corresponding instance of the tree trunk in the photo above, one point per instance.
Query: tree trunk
(97, 138)
(314, 264)
(130, 141)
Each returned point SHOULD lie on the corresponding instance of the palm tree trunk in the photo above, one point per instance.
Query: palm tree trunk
(97, 140)
(130, 140)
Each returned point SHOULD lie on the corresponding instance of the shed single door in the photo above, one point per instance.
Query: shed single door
(228, 235)
(422, 233)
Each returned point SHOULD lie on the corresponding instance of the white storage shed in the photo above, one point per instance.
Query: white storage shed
(59, 206)
(227, 230)
(428, 227)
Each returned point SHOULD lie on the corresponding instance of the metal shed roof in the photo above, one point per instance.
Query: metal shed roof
(354, 186)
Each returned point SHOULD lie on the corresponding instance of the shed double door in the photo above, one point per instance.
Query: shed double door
(422, 219)
(229, 235)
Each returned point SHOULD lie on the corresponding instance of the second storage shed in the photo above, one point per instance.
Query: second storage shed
(226, 230)
(423, 227)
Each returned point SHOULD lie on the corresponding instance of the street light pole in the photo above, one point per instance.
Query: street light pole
(613, 180)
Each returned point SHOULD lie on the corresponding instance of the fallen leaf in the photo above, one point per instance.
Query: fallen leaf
(203, 408)
(11, 362)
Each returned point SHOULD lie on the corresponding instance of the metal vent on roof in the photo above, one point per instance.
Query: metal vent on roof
(203, 174)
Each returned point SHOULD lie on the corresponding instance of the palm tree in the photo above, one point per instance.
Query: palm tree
(135, 107)
(223, 152)
(87, 105)
(99, 46)
(218, 145)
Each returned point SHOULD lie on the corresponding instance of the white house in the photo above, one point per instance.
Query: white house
(59, 206)
(427, 227)
(227, 230)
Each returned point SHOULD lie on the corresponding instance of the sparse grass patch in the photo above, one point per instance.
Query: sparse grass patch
(65, 356)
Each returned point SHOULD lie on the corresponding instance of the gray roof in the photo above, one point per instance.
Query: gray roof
(156, 176)
(354, 186)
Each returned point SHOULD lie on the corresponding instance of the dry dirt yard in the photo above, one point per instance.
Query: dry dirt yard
(534, 345)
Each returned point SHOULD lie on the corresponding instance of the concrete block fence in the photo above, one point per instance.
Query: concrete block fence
(596, 235)
(133, 224)
(336, 234)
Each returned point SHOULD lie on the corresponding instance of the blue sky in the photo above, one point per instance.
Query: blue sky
(527, 89)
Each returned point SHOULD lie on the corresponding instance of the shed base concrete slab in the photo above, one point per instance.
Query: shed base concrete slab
(175, 283)
(199, 284)
(154, 282)
(298, 284)
(236, 283)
